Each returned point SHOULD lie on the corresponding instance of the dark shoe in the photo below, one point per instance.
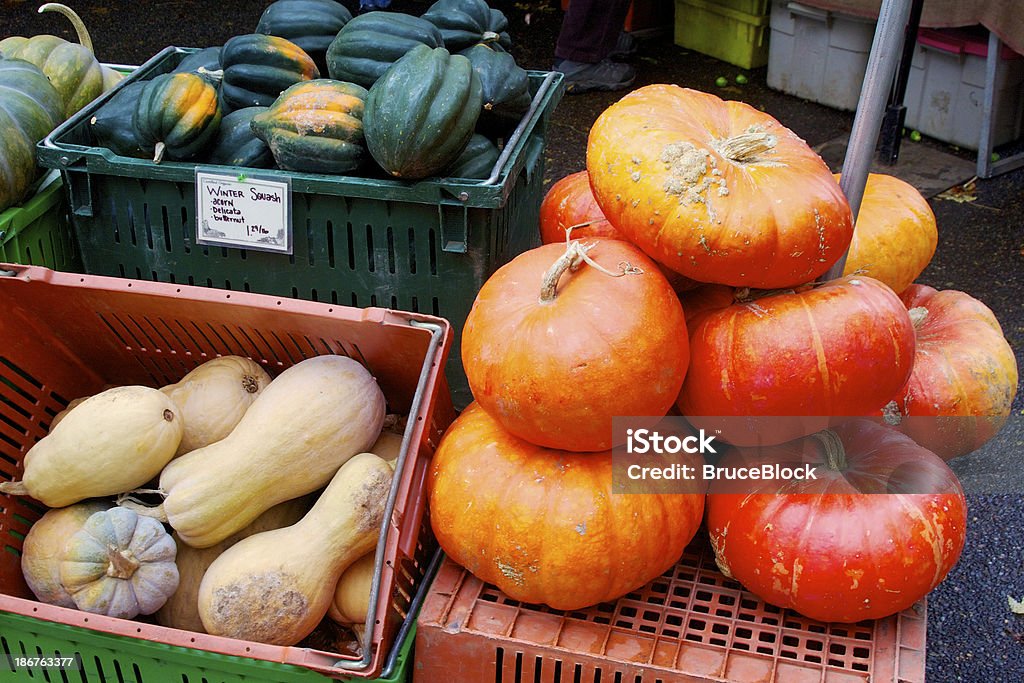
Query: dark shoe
(625, 47)
(583, 77)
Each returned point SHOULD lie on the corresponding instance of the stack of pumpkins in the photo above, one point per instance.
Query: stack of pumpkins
(743, 217)
(417, 94)
(43, 81)
(257, 548)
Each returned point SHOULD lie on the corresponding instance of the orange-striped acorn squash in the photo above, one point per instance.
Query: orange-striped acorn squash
(257, 68)
(316, 126)
(177, 113)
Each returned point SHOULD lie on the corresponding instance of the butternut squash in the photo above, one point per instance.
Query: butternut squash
(293, 438)
(182, 609)
(214, 396)
(73, 403)
(112, 442)
(275, 587)
(388, 446)
(352, 596)
(43, 549)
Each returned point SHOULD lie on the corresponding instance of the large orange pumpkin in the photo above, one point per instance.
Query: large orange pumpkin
(716, 190)
(554, 348)
(895, 234)
(838, 349)
(964, 380)
(880, 526)
(545, 526)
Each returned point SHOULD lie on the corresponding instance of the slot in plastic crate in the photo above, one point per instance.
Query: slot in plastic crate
(424, 246)
(65, 335)
(36, 232)
(723, 32)
(690, 625)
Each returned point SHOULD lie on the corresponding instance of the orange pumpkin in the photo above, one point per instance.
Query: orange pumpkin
(545, 526)
(554, 348)
(964, 380)
(838, 349)
(568, 203)
(717, 191)
(895, 234)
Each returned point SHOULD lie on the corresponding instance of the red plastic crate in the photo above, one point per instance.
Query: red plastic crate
(691, 624)
(65, 335)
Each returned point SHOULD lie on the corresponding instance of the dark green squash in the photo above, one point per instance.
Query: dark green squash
(205, 62)
(178, 114)
(237, 144)
(310, 24)
(464, 23)
(505, 85)
(257, 68)
(477, 160)
(421, 114)
(369, 44)
(316, 127)
(30, 107)
(111, 125)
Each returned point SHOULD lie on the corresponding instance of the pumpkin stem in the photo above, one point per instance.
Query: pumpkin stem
(122, 564)
(918, 315)
(585, 224)
(575, 255)
(14, 488)
(83, 33)
(747, 147)
(835, 454)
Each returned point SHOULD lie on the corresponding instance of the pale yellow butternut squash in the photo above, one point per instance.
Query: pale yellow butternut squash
(275, 587)
(352, 596)
(388, 446)
(214, 396)
(293, 438)
(112, 442)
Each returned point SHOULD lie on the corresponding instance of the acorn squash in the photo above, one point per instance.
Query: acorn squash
(369, 44)
(465, 22)
(310, 24)
(204, 62)
(257, 68)
(505, 85)
(177, 113)
(316, 127)
(477, 160)
(421, 114)
(237, 144)
(111, 125)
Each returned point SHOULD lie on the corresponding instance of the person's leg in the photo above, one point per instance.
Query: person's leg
(589, 34)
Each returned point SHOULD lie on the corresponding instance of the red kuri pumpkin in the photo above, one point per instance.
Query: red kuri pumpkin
(554, 348)
(842, 348)
(717, 191)
(879, 528)
(895, 235)
(964, 380)
(546, 526)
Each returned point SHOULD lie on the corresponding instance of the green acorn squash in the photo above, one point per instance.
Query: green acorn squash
(111, 125)
(178, 114)
(505, 85)
(477, 160)
(257, 68)
(315, 127)
(369, 44)
(205, 62)
(237, 144)
(464, 23)
(30, 108)
(421, 114)
(310, 24)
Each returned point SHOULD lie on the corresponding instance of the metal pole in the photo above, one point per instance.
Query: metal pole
(874, 93)
(896, 112)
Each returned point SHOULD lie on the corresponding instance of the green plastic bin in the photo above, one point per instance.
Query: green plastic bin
(424, 246)
(105, 658)
(723, 32)
(36, 233)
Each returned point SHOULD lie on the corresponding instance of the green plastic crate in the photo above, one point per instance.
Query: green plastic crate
(36, 233)
(731, 35)
(424, 246)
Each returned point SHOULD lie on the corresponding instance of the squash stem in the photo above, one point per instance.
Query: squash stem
(918, 315)
(158, 152)
(835, 454)
(122, 564)
(76, 21)
(14, 488)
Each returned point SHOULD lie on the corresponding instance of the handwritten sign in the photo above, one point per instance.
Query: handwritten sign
(244, 212)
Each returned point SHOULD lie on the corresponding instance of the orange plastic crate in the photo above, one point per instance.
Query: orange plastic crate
(691, 624)
(65, 335)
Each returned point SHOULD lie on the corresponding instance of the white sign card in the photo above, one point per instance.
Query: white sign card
(242, 211)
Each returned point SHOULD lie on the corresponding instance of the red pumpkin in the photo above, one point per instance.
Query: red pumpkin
(545, 526)
(554, 348)
(895, 235)
(964, 379)
(839, 349)
(717, 191)
(839, 548)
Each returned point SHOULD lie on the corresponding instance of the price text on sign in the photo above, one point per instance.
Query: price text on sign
(244, 212)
